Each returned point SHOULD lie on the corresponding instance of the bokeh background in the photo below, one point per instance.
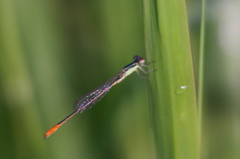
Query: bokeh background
(52, 52)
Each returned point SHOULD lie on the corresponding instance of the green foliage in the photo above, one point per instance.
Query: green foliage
(172, 97)
(52, 52)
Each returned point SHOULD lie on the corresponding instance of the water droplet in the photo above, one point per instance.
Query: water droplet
(180, 90)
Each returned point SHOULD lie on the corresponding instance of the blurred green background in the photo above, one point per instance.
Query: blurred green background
(52, 52)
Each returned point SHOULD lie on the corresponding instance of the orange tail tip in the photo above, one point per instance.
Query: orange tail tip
(51, 131)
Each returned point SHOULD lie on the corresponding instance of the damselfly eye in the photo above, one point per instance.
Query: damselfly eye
(138, 58)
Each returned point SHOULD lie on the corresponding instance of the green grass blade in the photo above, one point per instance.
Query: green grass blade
(201, 61)
(172, 88)
(201, 69)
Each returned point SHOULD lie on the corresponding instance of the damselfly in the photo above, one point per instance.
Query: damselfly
(88, 100)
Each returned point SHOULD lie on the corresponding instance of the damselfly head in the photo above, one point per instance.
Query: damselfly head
(138, 59)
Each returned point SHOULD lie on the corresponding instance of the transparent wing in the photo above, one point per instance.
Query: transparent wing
(88, 100)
